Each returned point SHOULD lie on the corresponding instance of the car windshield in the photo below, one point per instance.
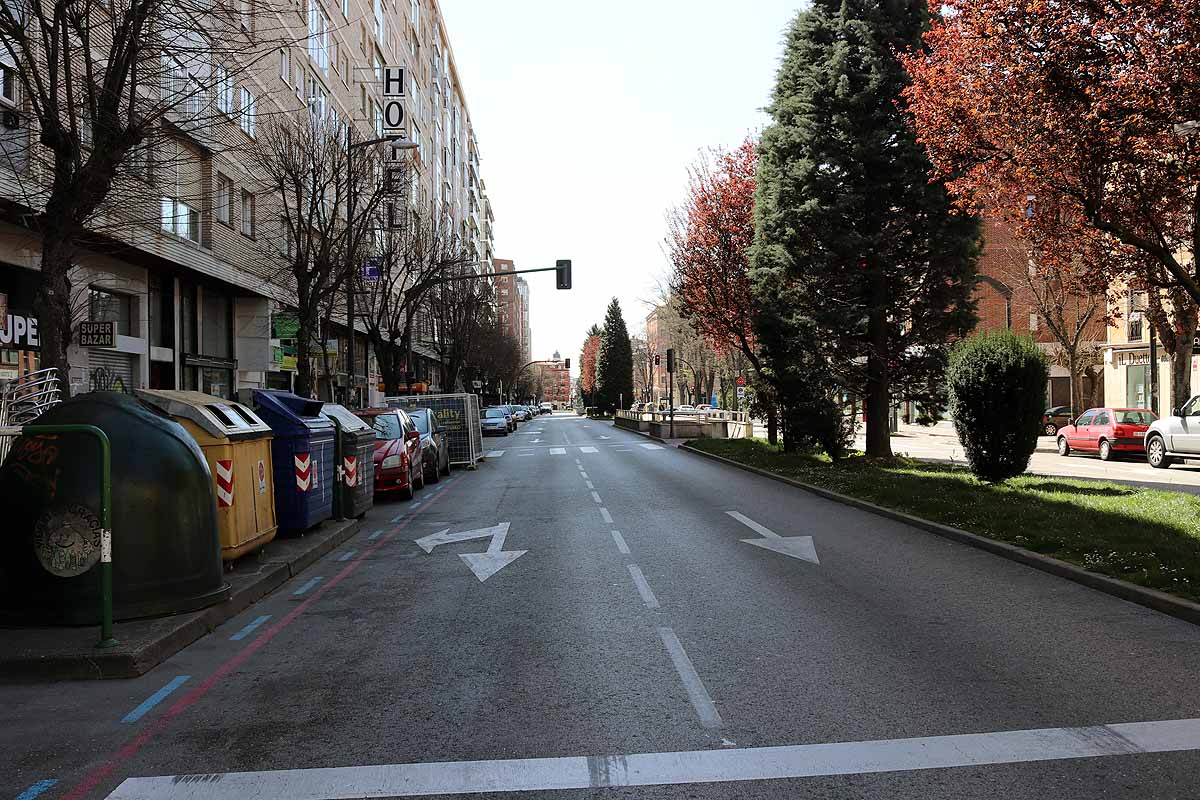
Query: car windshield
(421, 420)
(494, 413)
(1134, 417)
(387, 426)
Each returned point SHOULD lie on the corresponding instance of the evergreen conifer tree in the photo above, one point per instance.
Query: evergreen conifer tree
(861, 268)
(614, 361)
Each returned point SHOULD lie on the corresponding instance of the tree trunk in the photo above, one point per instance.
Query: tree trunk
(1181, 374)
(52, 304)
(879, 437)
(1076, 382)
(772, 425)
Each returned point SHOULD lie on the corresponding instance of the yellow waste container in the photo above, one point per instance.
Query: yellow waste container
(237, 446)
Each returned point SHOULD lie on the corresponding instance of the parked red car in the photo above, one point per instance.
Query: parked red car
(1107, 431)
(399, 466)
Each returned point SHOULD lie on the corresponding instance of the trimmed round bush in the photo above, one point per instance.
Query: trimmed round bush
(997, 387)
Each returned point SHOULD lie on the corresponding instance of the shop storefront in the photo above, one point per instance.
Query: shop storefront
(20, 342)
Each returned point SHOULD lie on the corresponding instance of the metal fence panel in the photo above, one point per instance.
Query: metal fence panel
(458, 414)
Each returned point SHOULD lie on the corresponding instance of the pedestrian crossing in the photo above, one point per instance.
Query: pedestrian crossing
(562, 451)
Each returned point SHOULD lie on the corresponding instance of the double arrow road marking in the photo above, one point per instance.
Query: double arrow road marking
(800, 547)
(484, 565)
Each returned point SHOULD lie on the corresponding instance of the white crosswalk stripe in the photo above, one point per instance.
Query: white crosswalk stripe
(558, 451)
(494, 453)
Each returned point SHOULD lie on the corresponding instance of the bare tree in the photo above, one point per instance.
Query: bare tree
(302, 163)
(461, 311)
(104, 85)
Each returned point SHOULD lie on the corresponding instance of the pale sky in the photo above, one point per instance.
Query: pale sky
(587, 117)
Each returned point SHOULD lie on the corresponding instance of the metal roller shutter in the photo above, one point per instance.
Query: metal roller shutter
(109, 370)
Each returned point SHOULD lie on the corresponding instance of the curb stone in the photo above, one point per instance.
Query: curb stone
(131, 661)
(1150, 598)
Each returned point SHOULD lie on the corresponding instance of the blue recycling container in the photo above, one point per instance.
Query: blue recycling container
(303, 455)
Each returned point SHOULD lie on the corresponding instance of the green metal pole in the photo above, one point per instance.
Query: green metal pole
(106, 578)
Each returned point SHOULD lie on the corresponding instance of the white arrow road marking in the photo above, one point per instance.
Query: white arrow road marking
(652, 446)
(673, 769)
(484, 565)
(604, 437)
(537, 441)
(800, 547)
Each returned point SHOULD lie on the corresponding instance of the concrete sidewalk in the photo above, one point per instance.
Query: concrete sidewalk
(69, 653)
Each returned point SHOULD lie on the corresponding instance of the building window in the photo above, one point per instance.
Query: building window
(216, 337)
(162, 311)
(247, 214)
(180, 219)
(1033, 321)
(105, 306)
(8, 83)
(224, 90)
(416, 14)
(1136, 316)
(285, 68)
(246, 120)
(224, 199)
(318, 36)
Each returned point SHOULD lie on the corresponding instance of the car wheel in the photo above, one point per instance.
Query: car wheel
(421, 485)
(407, 492)
(1049, 430)
(434, 476)
(446, 469)
(1156, 453)
(1063, 448)
(1106, 453)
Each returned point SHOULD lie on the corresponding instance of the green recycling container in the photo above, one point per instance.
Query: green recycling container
(166, 551)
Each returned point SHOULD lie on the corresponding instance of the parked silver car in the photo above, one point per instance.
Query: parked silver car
(1175, 436)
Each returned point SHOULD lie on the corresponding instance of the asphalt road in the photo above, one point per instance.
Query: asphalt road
(670, 659)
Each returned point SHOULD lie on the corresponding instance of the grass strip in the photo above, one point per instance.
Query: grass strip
(1144, 536)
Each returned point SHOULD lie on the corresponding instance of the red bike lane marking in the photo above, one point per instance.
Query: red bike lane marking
(93, 779)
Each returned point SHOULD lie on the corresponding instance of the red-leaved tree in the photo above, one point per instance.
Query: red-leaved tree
(1080, 119)
(587, 362)
(708, 242)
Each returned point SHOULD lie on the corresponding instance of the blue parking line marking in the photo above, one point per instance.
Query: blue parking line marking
(374, 536)
(397, 518)
(304, 589)
(154, 699)
(249, 629)
(36, 789)
(349, 554)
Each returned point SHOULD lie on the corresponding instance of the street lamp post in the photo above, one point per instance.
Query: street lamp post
(352, 270)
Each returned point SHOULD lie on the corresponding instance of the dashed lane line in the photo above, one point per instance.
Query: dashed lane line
(620, 540)
(596, 497)
(607, 516)
(701, 701)
(643, 587)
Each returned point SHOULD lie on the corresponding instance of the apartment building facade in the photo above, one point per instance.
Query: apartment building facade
(512, 303)
(188, 277)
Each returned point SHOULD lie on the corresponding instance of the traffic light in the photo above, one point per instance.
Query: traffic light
(657, 361)
(567, 364)
(563, 270)
(670, 359)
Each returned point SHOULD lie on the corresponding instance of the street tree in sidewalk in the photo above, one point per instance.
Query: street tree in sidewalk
(614, 361)
(305, 179)
(417, 248)
(1090, 112)
(100, 90)
(866, 250)
(495, 359)
(587, 365)
(709, 241)
(460, 312)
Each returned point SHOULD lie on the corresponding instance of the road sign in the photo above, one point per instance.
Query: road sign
(484, 565)
(97, 334)
(740, 381)
(477, 384)
(395, 81)
(372, 266)
(741, 392)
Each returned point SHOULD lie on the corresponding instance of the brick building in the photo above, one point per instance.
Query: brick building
(512, 300)
(1005, 301)
(556, 383)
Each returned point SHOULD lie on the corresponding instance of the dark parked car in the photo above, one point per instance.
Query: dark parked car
(434, 443)
(1107, 431)
(1054, 418)
(399, 466)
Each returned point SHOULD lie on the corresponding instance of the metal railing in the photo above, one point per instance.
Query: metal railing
(712, 415)
(25, 399)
